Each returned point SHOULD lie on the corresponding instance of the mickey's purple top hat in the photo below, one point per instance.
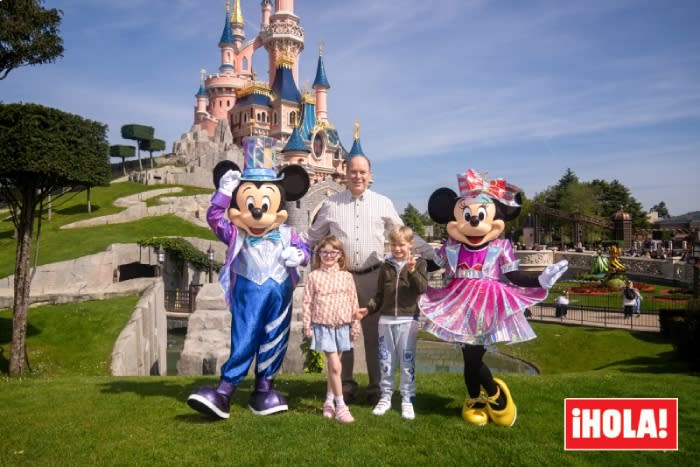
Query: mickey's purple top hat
(259, 159)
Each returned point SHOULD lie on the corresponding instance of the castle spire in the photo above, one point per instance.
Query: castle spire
(356, 149)
(237, 13)
(321, 79)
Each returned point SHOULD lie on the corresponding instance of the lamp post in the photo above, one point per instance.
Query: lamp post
(210, 258)
(160, 254)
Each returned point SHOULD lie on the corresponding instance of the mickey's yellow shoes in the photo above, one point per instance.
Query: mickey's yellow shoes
(505, 416)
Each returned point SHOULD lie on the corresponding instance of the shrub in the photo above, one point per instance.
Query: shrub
(684, 330)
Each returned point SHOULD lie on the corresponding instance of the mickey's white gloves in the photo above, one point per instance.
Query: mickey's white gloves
(552, 273)
(229, 182)
(292, 256)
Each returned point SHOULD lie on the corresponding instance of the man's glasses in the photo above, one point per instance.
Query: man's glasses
(329, 253)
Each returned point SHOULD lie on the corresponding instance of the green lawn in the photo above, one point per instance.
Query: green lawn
(69, 413)
(56, 244)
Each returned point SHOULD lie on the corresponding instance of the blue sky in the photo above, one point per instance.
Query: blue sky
(522, 90)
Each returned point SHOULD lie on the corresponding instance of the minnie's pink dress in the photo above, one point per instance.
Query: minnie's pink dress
(479, 306)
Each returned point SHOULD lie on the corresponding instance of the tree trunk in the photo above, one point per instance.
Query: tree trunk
(138, 151)
(124, 165)
(22, 284)
(89, 202)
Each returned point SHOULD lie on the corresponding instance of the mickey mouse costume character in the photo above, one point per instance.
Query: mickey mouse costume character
(477, 307)
(247, 213)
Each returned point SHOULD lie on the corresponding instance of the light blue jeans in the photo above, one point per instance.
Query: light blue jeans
(397, 350)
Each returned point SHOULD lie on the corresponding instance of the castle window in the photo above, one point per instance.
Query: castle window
(228, 103)
(274, 118)
(292, 118)
(298, 204)
(244, 63)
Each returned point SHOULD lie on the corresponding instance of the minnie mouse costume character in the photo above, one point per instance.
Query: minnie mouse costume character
(247, 213)
(477, 307)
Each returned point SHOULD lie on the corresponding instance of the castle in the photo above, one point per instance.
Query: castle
(233, 104)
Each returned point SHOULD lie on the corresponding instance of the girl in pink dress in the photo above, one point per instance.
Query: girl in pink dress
(478, 307)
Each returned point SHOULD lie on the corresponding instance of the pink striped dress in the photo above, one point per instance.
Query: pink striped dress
(479, 306)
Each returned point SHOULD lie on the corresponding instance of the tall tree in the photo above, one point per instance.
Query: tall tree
(152, 145)
(42, 151)
(413, 219)
(140, 134)
(28, 34)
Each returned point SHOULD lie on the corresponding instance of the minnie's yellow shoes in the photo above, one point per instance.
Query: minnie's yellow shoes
(507, 415)
(474, 410)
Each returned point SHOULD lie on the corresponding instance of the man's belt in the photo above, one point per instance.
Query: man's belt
(366, 270)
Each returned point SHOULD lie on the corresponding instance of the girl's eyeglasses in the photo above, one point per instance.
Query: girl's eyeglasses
(329, 253)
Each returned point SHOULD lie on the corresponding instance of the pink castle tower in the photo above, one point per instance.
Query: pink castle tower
(234, 101)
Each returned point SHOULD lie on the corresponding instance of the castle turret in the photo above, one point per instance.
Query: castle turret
(356, 149)
(237, 25)
(266, 12)
(295, 151)
(227, 45)
(283, 35)
(321, 86)
(201, 108)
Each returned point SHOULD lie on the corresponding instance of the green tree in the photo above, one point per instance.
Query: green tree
(413, 219)
(615, 196)
(140, 134)
(152, 145)
(661, 210)
(28, 34)
(123, 151)
(43, 151)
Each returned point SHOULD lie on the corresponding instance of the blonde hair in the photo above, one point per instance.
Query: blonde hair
(336, 244)
(399, 233)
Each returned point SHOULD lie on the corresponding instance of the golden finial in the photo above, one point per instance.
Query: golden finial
(236, 15)
(356, 133)
(251, 124)
(320, 48)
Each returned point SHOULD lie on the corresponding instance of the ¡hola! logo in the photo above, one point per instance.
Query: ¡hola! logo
(621, 424)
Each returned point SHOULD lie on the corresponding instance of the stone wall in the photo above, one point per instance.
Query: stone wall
(141, 348)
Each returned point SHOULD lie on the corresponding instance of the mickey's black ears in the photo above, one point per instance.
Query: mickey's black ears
(295, 182)
(221, 168)
(441, 205)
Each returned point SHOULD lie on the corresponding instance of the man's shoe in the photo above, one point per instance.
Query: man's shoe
(507, 415)
(210, 402)
(474, 410)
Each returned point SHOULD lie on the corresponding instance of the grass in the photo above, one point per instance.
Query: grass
(70, 413)
(60, 245)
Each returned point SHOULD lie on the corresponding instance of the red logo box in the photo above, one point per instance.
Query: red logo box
(621, 424)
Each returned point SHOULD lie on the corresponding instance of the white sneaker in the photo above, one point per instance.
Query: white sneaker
(407, 411)
(382, 406)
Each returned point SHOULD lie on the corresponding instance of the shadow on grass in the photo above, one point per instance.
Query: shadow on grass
(6, 340)
(665, 362)
(78, 209)
(302, 396)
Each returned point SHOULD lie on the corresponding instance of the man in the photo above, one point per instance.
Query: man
(359, 217)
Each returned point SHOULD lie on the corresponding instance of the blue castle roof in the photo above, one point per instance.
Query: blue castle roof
(284, 86)
(201, 92)
(255, 99)
(321, 79)
(227, 35)
(308, 120)
(356, 149)
(295, 143)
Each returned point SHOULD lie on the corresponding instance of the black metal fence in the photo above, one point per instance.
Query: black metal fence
(598, 310)
(181, 301)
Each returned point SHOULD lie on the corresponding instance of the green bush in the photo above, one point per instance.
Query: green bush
(684, 331)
